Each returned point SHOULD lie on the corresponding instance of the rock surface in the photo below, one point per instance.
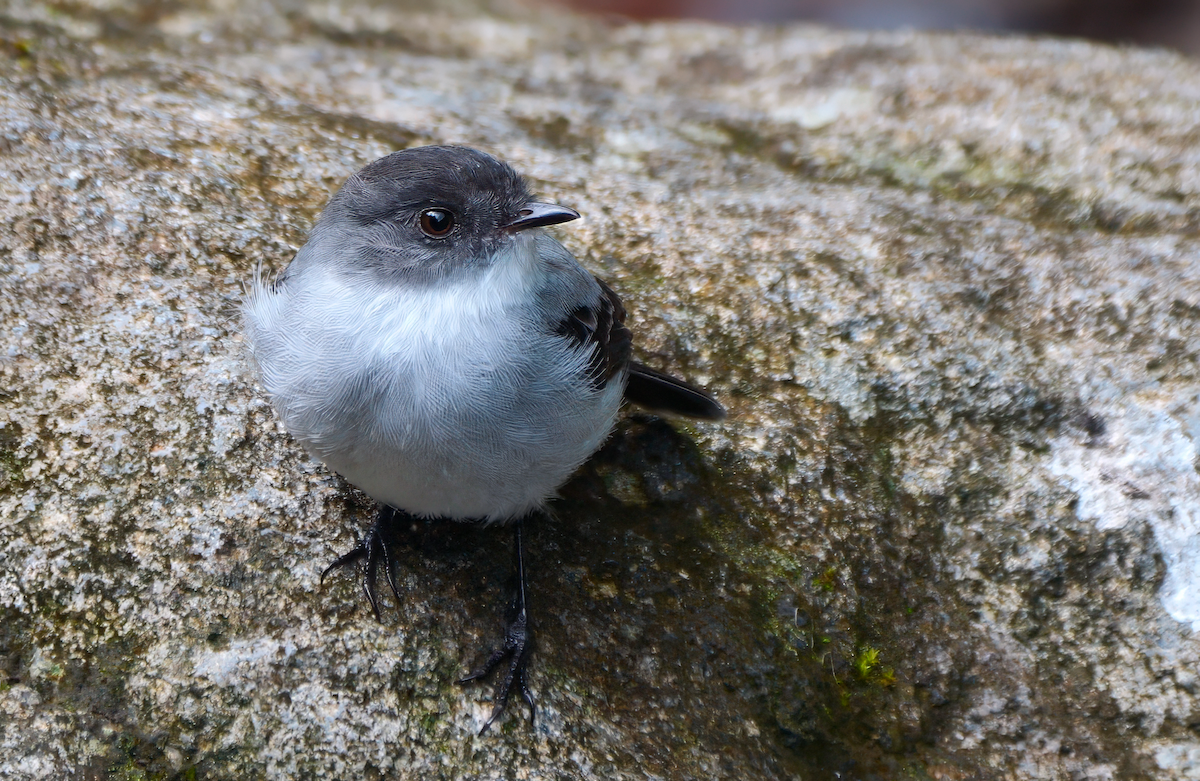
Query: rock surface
(946, 284)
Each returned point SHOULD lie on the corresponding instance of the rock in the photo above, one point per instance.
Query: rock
(946, 284)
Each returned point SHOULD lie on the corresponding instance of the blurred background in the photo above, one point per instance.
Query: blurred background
(1171, 23)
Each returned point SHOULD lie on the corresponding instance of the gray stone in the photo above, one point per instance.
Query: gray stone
(946, 284)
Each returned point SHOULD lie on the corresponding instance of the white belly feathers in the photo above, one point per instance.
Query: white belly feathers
(394, 389)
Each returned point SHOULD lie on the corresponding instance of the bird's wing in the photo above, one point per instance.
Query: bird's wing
(602, 326)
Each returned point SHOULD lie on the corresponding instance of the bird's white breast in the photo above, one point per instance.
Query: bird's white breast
(444, 400)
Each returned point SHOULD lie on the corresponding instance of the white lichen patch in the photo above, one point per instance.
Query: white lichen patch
(1181, 760)
(1143, 466)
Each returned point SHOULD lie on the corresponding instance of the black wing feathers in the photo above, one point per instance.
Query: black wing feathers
(602, 326)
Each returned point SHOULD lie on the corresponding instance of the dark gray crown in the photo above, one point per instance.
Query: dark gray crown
(382, 204)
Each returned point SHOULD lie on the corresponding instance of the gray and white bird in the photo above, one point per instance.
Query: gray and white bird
(432, 345)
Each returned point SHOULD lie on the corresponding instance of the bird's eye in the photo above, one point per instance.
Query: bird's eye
(436, 223)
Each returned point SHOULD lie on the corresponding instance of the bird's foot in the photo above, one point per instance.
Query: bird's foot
(517, 647)
(372, 550)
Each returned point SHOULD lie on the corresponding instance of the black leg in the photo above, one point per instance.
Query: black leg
(374, 549)
(518, 643)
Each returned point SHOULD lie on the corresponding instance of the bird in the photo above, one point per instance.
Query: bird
(435, 346)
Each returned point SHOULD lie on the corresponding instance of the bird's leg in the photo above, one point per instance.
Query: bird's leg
(518, 643)
(373, 548)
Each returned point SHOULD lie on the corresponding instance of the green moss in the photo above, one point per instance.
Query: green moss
(128, 763)
(870, 670)
(827, 580)
(429, 721)
(20, 49)
(865, 662)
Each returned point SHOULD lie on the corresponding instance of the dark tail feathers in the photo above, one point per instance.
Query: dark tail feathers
(660, 392)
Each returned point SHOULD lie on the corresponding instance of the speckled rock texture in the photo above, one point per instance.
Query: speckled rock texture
(947, 285)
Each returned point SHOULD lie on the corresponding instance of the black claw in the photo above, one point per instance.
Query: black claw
(346, 558)
(516, 647)
(374, 548)
(518, 643)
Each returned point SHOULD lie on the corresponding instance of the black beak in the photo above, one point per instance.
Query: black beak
(539, 215)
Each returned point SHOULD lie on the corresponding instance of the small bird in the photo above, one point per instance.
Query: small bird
(432, 345)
